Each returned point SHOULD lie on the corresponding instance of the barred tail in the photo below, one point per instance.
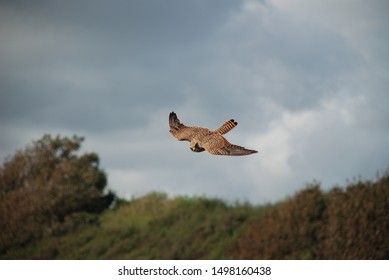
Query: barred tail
(226, 127)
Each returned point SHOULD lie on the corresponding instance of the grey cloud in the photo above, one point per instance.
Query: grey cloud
(113, 71)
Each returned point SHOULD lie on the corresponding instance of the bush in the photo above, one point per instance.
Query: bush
(350, 223)
(288, 231)
(356, 222)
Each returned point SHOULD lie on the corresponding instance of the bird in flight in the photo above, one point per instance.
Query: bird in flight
(202, 139)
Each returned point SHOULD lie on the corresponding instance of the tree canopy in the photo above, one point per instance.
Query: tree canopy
(47, 183)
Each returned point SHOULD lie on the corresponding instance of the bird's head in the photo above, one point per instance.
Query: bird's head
(195, 147)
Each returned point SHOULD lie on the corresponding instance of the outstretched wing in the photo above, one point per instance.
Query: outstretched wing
(183, 132)
(232, 150)
(226, 127)
(216, 144)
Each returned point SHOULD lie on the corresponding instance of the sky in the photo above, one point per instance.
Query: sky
(307, 81)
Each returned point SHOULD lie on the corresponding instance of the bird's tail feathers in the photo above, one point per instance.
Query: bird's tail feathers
(226, 127)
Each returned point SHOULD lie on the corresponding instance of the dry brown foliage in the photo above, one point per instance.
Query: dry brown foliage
(351, 223)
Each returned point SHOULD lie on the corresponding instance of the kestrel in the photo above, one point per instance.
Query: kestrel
(202, 139)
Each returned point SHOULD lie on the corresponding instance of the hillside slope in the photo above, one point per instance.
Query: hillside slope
(345, 223)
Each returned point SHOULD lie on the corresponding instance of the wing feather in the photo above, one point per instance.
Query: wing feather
(233, 150)
(183, 132)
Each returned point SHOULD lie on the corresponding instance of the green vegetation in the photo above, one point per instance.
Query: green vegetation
(52, 206)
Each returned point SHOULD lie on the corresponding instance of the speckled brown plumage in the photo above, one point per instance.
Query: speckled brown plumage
(202, 139)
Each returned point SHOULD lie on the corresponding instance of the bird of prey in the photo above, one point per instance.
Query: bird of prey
(202, 139)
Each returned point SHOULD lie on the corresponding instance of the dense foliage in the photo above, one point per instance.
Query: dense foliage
(52, 206)
(45, 185)
(351, 223)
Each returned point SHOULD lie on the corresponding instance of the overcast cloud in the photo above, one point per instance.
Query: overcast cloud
(307, 80)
